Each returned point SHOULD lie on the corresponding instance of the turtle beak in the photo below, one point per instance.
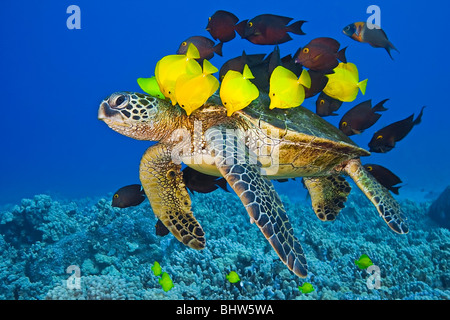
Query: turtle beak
(105, 112)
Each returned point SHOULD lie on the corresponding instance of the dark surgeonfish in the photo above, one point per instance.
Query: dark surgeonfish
(196, 181)
(375, 36)
(206, 47)
(318, 83)
(222, 26)
(384, 139)
(133, 195)
(161, 229)
(325, 105)
(384, 176)
(238, 63)
(361, 117)
(269, 29)
(321, 54)
(128, 196)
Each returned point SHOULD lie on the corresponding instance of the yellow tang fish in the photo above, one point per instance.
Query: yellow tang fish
(344, 83)
(150, 86)
(237, 91)
(192, 90)
(169, 68)
(286, 91)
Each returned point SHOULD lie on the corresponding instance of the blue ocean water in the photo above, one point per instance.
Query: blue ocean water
(53, 79)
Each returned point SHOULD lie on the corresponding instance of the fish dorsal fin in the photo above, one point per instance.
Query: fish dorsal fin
(208, 67)
(192, 52)
(246, 73)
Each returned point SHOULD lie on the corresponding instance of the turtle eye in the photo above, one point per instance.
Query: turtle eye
(120, 101)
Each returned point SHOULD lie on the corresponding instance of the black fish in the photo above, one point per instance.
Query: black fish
(199, 182)
(318, 83)
(222, 26)
(384, 140)
(384, 176)
(128, 196)
(270, 29)
(289, 63)
(161, 229)
(361, 117)
(238, 63)
(325, 105)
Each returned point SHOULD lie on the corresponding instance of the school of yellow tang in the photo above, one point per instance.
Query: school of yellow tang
(181, 79)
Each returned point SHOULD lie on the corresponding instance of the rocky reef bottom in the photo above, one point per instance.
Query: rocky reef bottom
(109, 253)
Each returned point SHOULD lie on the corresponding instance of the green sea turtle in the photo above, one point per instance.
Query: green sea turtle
(250, 148)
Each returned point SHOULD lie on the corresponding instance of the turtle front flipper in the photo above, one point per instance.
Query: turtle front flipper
(258, 196)
(387, 206)
(163, 184)
(328, 195)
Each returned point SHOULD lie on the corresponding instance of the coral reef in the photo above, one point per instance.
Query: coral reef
(114, 250)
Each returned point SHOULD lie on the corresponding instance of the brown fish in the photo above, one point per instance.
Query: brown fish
(384, 176)
(384, 139)
(222, 26)
(361, 117)
(128, 196)
(321, 54)
(325, 105)
(269, 29)
(206, 47)
(203, 183)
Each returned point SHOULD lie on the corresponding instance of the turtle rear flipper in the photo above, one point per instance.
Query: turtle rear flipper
(163, 184)
(259, 197)
(387, 206)
(328, 195)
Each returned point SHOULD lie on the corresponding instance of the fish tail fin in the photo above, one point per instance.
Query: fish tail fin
(379, 106)
(341, 55)
(218, 49)
(419, 117)
(395, 190)
(222, 183)
(390, 47)
(240, 28)
(296, 27)
(362, 86)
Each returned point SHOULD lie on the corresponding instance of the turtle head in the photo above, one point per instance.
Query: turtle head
(138, 116)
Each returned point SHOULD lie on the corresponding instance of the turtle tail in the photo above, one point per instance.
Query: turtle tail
(387, 206)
